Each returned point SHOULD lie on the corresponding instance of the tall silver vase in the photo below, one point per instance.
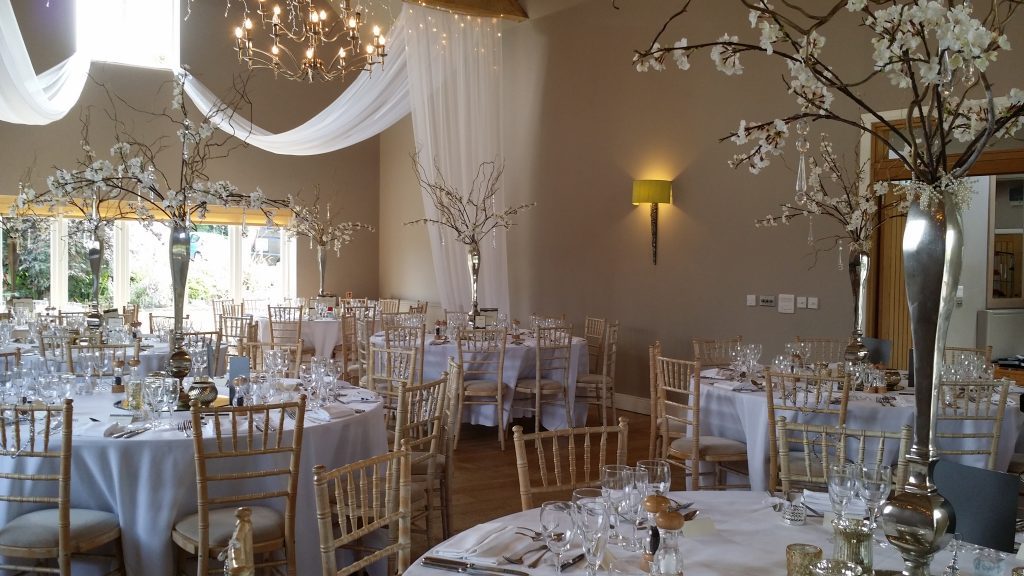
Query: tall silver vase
(321, 258)
(917, 521)
(474, 276)
(95, 256)
(860, 264)
(179, 363)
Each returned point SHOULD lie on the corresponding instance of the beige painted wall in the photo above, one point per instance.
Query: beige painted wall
(348, 179)
(580, 124)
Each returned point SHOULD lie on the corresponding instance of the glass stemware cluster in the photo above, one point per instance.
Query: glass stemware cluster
(870, 482)
(744, 358)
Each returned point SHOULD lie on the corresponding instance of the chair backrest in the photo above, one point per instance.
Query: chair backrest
(541, 321)
(345, 351)
(609, 351)
(879, 350)
(408, 338)
(420, 307)
(952, 352)
(360, 498)
(29, 431)
(451, 411)
(678, 406)
(823, 349)
(293, 354)
(822, 444)
(160, 323)
(130, 313)
(365, 327)
(553, 354)
(331, 301)
(208, 341)
(984, 501)
(594, 332)
(715, 352)
(361, 311)
(969, 418)
(102, 356)
(419, 422)
(387, 368)
(10, 360)
(248, 442)
(566, 459)
(456, 319)
(389, 305)
(237, 332)
(225, 308)
(786, 393)
(389, 319)
(482, 354)
(285, 324)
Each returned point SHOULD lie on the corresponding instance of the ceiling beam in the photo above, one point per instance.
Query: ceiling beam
(507, 9)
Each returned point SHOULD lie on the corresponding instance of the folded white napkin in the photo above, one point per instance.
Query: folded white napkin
(330, 412)
(484, 544)
(735, 386)
(90, 429)
(820, 502)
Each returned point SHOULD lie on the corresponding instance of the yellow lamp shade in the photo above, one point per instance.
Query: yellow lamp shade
(652, 192)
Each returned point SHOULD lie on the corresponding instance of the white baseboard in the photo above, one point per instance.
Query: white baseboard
(637, 404)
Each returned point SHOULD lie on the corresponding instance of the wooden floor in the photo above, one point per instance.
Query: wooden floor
(486, 483)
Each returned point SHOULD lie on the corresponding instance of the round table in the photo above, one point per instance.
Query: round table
(149, 480)
(320, 335)
(520, 362)
(737, 533)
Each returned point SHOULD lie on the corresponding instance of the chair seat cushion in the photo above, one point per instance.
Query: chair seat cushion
(267, 524)
(421, 462)
(39, 529)
(709, 446)
(546, 385)
(594, 380)
(482, 387)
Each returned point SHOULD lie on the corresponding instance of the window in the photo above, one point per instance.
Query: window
(227, 263)
(134, 32)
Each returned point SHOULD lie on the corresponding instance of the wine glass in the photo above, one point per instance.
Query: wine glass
(842, 485)
(659, 475)
(559, 528)
(592, 521)
(614, 479)
(200, 358)
(632, 506)
(873, 486)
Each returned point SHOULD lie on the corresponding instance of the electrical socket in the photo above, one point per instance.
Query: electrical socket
(751, 300)
(766, 300)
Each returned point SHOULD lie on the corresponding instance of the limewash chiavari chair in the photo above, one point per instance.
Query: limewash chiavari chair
(678, 408)
(406, 338)
(451, 426)
(825, 396)
(952, 352)
(159, 324)
(293, 353)
(364, 330)
(969, 419)
(58, 531)
(482, 363)
(823, 349)
(224, 308)
(105, 354)
(246, 443)
(566, 459)
(64, 318)
(598, 387)
(550, 381)
(285, 324)
(594, 333)
(130, 313)
(238, 332)
(420, 307)
(419, 428)
(210, 341)
(821, 444)
(711, 352)
(358, 499)
(386, 369)
(345, 351)
(389, 306)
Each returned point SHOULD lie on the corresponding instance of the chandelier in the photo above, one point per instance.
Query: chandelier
(324, 46)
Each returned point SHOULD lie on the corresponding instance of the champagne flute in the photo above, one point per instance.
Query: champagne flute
(592, 520)
(636, 491)
(659, 475)
(613, 484)
(559, 528)
(873, 486)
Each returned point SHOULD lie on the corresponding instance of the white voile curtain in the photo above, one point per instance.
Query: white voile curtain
(454, 89)
(26, 98)
(370, 105)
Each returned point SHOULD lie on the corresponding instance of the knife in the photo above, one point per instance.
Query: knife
(464, 567)
(572, 561)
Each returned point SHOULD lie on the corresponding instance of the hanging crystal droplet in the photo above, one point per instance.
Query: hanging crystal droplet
(945, 75)
(969, 77)
(802, 146)
(810, 230)
(840, 263)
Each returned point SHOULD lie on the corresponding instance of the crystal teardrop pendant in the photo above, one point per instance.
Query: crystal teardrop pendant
(802, 145)
(810, 230)
(840, 262)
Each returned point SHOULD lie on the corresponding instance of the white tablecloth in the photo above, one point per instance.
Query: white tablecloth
(520, 362)
(740, 536)
(321, 335)
(743, 416)
(149, 480)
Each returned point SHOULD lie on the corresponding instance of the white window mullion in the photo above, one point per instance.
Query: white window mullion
(59, 263)
(288, 265)
(122, 289)
(235, 240)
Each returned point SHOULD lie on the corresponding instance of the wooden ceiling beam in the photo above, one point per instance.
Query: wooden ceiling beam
(507, 9)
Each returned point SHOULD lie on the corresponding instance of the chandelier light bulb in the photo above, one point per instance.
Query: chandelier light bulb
(352, 22)
(341, 53)
(275, 50)
(277, 10)
(376, 30)
(323, 15)
(369, 49)
(238, 32)
(314, 17)
(309, 53)
(248, 24)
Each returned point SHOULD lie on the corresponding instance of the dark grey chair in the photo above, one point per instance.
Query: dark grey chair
(985, 503)
(879, 351)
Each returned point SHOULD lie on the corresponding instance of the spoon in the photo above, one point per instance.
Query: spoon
(690, 515)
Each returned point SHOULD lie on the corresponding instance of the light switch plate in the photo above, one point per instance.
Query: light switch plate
(787, 303)
(751, 299)
(801, 301)
(812, 302)
(766, 300)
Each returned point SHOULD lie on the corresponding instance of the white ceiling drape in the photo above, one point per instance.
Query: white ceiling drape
(26, 98)
(455, 91)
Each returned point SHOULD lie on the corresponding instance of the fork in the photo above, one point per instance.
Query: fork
(186, 427)
(518, 558)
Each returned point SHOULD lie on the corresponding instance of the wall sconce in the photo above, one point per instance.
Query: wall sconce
(653, 192)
